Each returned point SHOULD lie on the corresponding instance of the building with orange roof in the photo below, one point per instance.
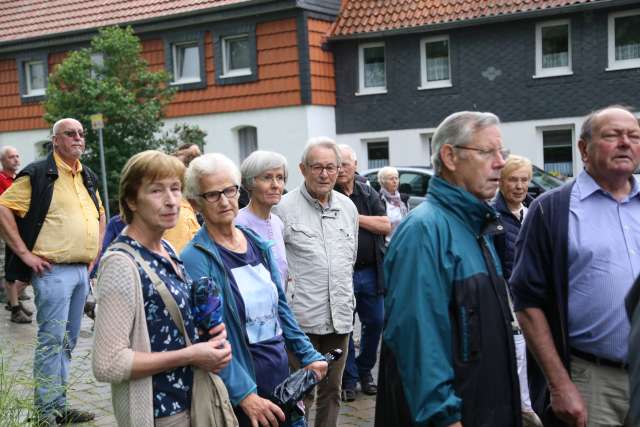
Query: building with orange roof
(541, 65)
(252, 73)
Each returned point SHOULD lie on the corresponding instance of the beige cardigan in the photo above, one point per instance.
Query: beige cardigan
(121, 330)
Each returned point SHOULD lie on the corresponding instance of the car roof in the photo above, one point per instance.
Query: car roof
(418, 169)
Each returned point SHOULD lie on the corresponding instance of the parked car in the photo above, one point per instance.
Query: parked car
(414, 181)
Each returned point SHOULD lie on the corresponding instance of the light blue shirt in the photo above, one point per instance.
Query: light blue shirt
(604, 260)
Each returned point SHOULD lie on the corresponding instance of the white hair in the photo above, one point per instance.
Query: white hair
(348, 149)
(56, 125)
(4, 149)
(258, 162)
(320, 141)
(207, 164)
(458, 129)
(385, 173)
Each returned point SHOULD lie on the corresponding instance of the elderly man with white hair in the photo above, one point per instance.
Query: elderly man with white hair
(320, 236)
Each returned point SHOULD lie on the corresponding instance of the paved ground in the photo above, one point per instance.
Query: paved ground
(16, 351)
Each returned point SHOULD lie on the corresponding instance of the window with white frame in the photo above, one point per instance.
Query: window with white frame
(372, 68)
(236, 56)
(624, 39)
(97, 63)
(435, 62)
(553, 48)
(35, 78)
(557, 151)
(427, 139)
(247, 141)
(378, 153)
(186, 62)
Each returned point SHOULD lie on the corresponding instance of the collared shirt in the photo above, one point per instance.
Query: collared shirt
(321, 246)
(272, 229)
(5, 181)
(185, 229)
(604, 260)
(368, 204)
(70, 231)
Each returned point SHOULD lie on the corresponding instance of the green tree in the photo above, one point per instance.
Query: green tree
(110, 78)
(181, 134)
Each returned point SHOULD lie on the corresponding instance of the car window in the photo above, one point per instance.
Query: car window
(414, 184)
(373, 180)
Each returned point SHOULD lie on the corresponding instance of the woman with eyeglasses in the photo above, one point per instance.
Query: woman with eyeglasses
(264, 175)
(258, 320)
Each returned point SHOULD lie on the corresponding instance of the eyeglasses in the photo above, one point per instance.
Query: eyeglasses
(268, 179)
(504, 152)
(73, 133)
(317, 169)
(214, 196)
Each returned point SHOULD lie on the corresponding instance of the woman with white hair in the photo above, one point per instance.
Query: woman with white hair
(258, 319)
(264, 176)
(389, 180)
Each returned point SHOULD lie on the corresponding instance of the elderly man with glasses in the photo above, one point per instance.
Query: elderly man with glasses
(321, 241)
(52, 219)
(448, 356)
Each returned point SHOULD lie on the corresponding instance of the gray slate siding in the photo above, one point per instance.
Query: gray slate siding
(514, 95)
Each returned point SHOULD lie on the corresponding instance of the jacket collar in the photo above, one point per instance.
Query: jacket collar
(204, 241)
(315, 203)
(467, 208)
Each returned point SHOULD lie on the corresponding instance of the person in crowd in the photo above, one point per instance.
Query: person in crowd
(260, 325)
(575, 262)
(511, 203)
(137, 346)
(187, 225)
(395, 203)
(320, 236)
(264, 175)
(368, 279)
(447, 355)
(10, 160)
(52, 219)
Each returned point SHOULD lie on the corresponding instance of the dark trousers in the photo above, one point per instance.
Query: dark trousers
(370, 309)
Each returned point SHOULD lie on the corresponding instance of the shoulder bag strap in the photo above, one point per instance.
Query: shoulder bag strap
(161, 288)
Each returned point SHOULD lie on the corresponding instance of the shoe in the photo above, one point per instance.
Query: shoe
(23, 295)
(24, 309)
(90, 309)
(348, 394)
(368, 386)
(19, 316)
(74, 416)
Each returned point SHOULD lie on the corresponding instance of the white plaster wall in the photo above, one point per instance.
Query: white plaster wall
(284, 130)
(25, 142)
(407, 147)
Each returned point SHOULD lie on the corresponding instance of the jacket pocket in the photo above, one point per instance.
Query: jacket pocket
(469, 333)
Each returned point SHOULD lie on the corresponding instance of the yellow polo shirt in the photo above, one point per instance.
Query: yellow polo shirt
(185, 229)
(70, 232)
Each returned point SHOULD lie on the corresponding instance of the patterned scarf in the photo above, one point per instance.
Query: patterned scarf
(394, 199)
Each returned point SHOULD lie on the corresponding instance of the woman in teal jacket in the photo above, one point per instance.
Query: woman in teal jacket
(256, 314)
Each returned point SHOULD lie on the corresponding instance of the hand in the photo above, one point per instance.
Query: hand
(36, 263)
(319, 368)
(261, 412)
(212, 356)
(568, 405)
(218, 332)
(458, 424)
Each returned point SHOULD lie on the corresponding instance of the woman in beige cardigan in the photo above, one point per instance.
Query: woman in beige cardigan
(137, 346)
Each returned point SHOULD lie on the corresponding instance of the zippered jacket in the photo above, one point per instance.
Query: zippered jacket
(448, 352)
(201, 258)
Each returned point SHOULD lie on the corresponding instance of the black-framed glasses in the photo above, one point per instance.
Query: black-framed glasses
(73, 133)
(317, 169)
(504, 152)
(214, 196)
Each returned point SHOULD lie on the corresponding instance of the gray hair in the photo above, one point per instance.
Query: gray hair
(257, 163)
(458, 129)
(207, 164)
(4, 149)
(385, 172)
(586, 132)
(56, 125)
(320, 141)
(349, 149)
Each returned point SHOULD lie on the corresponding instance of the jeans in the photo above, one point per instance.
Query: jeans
(370, 309)
(60, 295)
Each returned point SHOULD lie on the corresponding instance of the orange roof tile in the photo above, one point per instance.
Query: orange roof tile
(372, 16)
(25, 19)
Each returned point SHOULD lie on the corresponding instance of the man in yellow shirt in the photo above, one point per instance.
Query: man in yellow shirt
(52, 220)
